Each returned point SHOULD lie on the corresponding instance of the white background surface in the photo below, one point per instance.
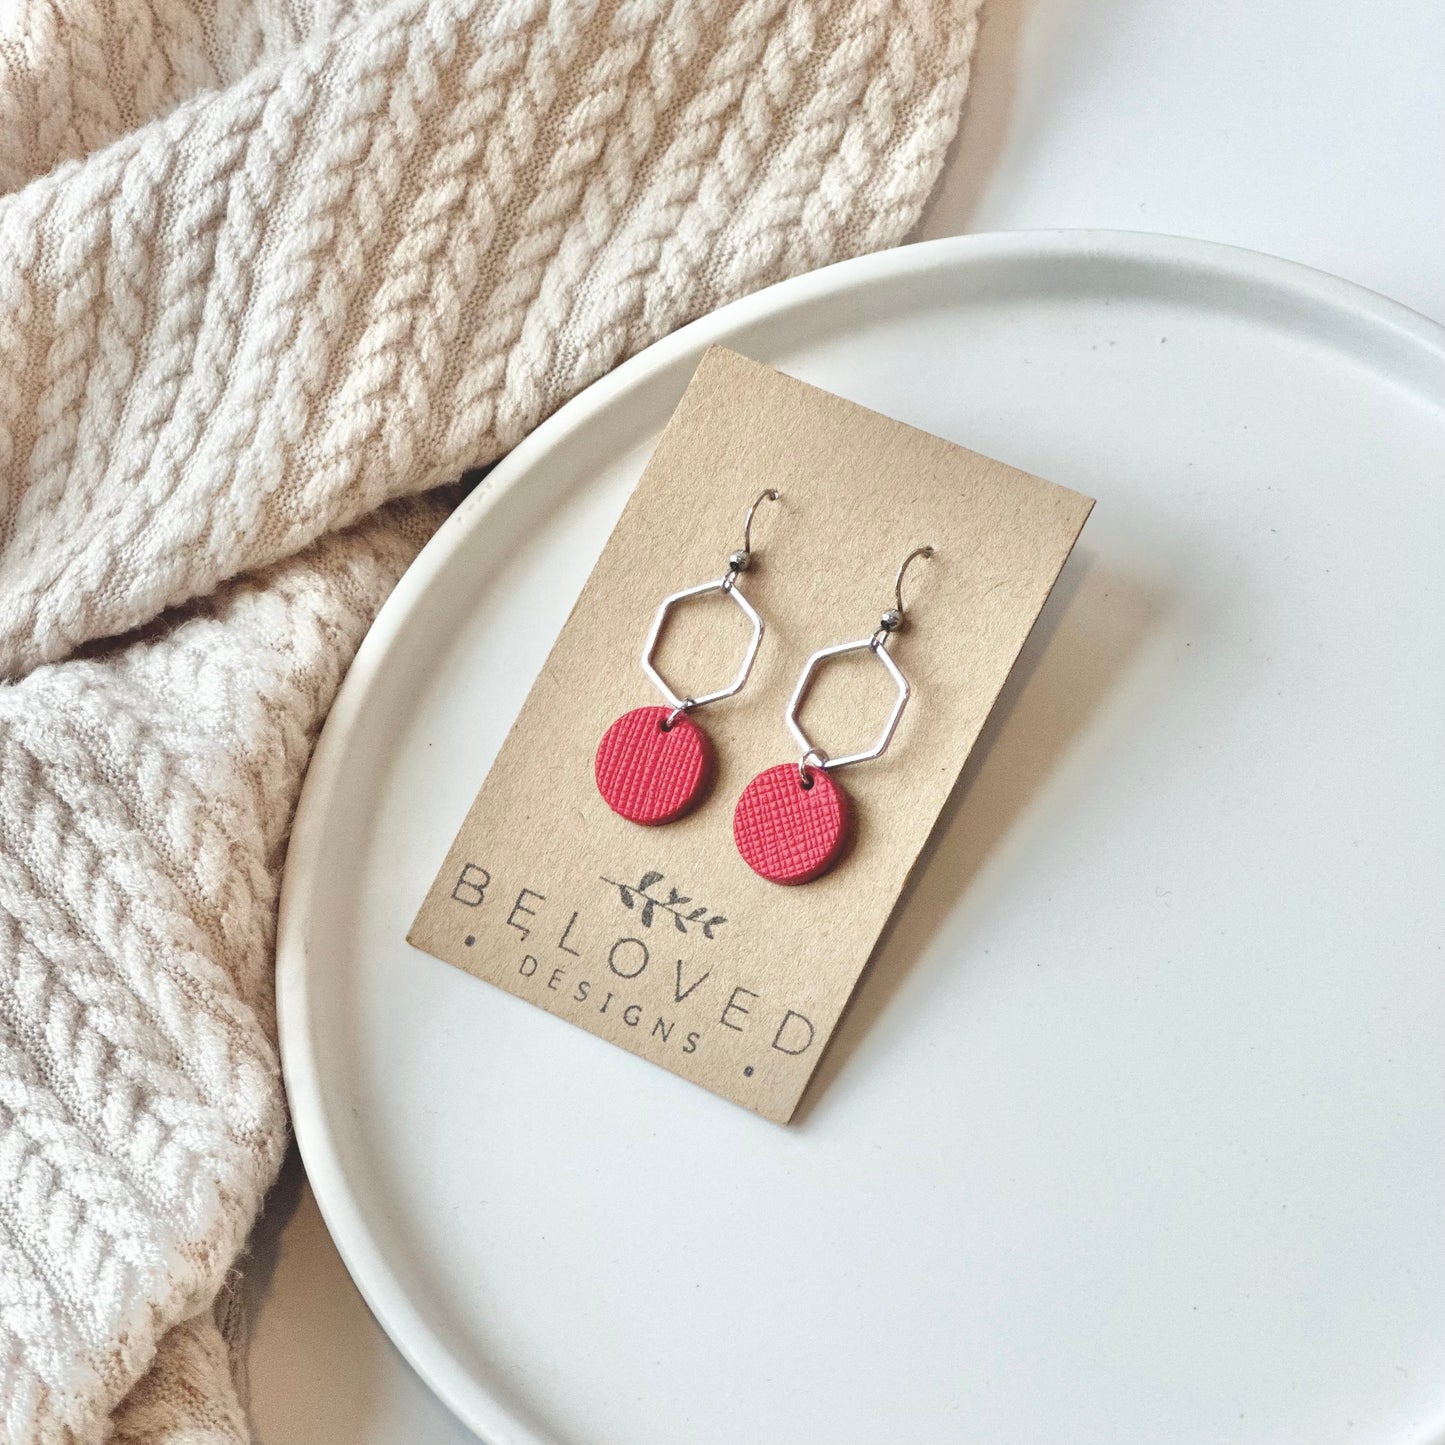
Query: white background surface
(1313, 131)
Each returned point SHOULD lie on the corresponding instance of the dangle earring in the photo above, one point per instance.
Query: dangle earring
(792, 821)
(654, 763)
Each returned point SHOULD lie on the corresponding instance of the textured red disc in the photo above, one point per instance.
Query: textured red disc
(788, 833)
(649, 773)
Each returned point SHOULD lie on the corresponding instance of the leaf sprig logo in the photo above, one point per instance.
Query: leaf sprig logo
(641, 893)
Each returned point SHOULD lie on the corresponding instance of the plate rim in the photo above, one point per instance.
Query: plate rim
(366, 1262)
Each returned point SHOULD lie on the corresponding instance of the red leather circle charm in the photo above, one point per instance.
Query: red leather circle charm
(789, 833)
(650, 773)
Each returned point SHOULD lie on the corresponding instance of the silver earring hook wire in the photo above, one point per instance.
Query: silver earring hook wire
(768, 494)
(892, 620)
(903, 567)
(741, 560)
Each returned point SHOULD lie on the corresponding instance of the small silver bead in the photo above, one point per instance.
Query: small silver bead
(891, 620)
(740, 560)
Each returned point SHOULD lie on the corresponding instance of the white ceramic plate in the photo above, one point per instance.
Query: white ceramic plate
(1135, 1133)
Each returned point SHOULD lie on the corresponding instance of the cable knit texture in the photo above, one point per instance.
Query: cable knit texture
(272, 274)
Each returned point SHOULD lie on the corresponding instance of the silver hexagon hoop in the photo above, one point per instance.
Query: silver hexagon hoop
(817, 756)
(890, 622)
(727, 585)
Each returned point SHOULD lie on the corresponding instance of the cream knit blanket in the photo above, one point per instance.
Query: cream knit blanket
(267, 266)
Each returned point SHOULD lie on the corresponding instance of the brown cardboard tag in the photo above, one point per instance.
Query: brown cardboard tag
(661, 939)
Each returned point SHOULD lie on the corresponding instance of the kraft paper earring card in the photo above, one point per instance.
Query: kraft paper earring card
(662, 939)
